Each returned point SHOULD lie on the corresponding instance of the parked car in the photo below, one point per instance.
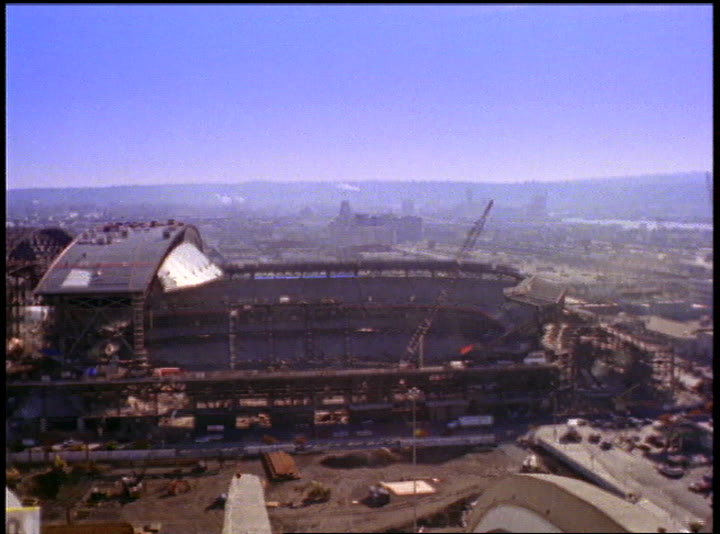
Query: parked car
(671, 471)
(697, 460)
(635, 422)
(571, 436)
(594, 438)
(701, 486)
(605, 445)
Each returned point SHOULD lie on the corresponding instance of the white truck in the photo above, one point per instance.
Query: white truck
(471, 421)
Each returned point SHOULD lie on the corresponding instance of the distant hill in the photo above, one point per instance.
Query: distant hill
(682, 196)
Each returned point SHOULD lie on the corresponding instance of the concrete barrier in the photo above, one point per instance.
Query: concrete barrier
(602, 481)
(121, 455)
(30, 456)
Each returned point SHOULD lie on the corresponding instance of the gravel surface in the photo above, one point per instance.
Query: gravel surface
(460, 473)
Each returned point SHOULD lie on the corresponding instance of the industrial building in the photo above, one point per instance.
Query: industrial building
(360, 229)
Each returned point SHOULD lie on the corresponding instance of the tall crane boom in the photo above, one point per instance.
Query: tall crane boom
(473, 234)
(411, 350)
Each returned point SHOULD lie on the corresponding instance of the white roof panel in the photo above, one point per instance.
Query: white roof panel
(187, 266)
(77, 278)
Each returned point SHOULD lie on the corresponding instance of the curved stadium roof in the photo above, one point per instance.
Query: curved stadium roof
(125, 258)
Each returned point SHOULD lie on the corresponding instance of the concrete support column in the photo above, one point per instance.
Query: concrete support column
(138, 319)
(81, 424)
(43, 424)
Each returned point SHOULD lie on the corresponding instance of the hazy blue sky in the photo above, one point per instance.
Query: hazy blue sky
(141, 94)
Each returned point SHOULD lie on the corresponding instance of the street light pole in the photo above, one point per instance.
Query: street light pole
(414, 460)
(414, 393)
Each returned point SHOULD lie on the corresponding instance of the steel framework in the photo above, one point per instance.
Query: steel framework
(28, 254)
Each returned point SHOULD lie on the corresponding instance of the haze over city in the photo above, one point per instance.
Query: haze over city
(105, 95)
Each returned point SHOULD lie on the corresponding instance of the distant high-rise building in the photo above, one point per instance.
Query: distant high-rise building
(360, 229)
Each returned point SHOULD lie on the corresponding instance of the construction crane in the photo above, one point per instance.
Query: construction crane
(414, 347)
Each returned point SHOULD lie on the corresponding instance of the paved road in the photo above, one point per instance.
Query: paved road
(229, 450)
(636, 474)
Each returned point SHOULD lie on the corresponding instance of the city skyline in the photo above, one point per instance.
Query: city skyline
(106, 95)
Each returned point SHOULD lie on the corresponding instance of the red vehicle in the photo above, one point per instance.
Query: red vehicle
(168, 371)
(701, 486)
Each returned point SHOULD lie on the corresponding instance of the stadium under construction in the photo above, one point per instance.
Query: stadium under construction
(142, 325)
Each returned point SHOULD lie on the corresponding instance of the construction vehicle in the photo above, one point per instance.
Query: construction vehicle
(316, 493)
(218, 503)
(414, 348)
(132, 487)
(177, 487)
(533, 464)
(377, 496)
(199, 468)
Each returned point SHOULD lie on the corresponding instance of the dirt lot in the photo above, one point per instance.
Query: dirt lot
(460, 473)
